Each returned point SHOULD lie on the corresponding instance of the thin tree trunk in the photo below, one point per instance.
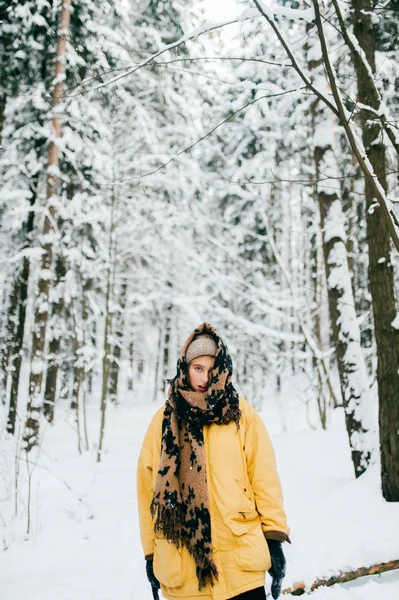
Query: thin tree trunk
(130, 380)
(17, 344)
(8, 355)
(352, 244)
(50, 389)
(51, 379)
(322, 400)
(386, 321)
(85, 417)
(166, 344)
(116, 351)
(108, 325)
(308, 337)
(78, 376)
(157, 365)
(105, 368)
(2, 118)
(31, 434)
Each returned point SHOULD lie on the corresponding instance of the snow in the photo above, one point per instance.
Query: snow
(334, 225)
(84, 541)
(37, 366)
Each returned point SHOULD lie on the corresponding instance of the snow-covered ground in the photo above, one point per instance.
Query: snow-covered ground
(84, 541)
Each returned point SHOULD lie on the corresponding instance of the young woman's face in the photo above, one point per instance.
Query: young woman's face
(199, 372)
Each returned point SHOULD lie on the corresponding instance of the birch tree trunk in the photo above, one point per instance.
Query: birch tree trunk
(386, 320)
(344, 326)
(31, 434)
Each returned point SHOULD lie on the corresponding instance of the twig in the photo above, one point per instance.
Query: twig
(89, 508)
(295, 65)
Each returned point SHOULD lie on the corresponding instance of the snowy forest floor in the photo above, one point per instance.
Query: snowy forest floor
(84, 542)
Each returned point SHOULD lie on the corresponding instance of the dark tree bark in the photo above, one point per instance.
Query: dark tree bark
(53, 365)
(380, 266)
(18, 338)
(51, 379)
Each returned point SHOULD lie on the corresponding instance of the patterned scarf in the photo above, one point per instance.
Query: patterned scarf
(180, 503)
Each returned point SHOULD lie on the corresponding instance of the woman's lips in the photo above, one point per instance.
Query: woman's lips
(202, 388)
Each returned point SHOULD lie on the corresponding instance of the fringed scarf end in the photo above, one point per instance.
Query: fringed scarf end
(205, 575)
(168, 521)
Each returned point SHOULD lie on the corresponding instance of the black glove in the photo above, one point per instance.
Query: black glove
(149, 569)
(277, 570)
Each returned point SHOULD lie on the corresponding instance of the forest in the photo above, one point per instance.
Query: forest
(163, 164)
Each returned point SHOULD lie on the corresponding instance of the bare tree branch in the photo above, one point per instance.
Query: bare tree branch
(241, 58)
(173, 46)
(191, 146)
(295, 65)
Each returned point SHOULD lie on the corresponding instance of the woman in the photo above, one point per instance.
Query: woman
(210, 505)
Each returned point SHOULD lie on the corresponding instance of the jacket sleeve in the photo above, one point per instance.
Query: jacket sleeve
(265, 482)
(145, 483)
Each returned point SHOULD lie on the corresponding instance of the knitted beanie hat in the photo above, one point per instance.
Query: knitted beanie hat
(203, 345)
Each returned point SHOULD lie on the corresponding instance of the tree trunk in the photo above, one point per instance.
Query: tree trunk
(344, 326)
(17, 343)
(51, 379)
(105, 367)
(166, 344)
(31, 434)
(78, 374)
(8, 340)
(54, 351)
(2, 111)
(131, 367)
(108, 324)
(116, 351)
(157, 365)
(386, 321)
(346, 334)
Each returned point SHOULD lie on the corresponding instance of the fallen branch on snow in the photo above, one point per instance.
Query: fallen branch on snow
(300, 588)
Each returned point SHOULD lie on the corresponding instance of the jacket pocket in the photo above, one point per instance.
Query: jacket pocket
(251, 549)
(168, 564)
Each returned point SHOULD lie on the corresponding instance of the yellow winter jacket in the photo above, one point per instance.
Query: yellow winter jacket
(245, 503)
